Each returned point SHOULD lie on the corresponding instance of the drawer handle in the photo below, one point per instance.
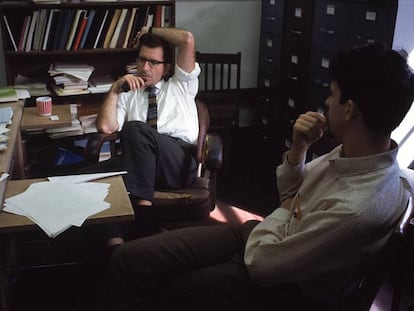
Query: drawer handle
(296, 32)
(271, 18)
(366, 40)
(294, 78)
(323, 84)
(327, 31)
(268, 60)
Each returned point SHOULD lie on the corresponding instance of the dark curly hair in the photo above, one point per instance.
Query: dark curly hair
(378, 80)
(154, 41)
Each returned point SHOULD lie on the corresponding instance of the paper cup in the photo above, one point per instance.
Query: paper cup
(44, 106)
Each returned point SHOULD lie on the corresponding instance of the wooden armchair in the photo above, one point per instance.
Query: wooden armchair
(192, 203)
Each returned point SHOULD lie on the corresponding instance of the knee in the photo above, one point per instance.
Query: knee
(137, 132)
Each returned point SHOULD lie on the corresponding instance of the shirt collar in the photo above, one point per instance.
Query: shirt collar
(362, 164)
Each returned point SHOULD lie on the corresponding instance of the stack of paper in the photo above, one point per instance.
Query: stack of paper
(100, 84)
(62, 202)
(35, 86)
(78, 72)
(8, 94)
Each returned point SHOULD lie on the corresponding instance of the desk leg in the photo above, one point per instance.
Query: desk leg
(7, 245)
(19, 170)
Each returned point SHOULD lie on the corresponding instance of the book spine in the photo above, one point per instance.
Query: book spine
(117, 31)
(73, 29)
(82, 27)
(129, 29)
(23, 34)
(10, 33)
(111, 28)
(68, 16)
(47, 30)
(91, 16)
(101, 29)
(30, 34)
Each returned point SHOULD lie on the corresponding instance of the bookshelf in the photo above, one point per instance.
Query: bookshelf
(38, 35)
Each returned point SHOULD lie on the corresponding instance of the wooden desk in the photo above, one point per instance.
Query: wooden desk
(32, 120)
(120, 210)
(14, 146)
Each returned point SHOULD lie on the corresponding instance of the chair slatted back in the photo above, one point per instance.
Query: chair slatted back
(219, 71)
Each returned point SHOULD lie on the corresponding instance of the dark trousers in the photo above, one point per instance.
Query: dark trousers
(154, 160)
(197, 268)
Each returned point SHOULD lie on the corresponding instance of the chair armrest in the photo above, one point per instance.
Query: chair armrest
(95, 142)
(214, 152)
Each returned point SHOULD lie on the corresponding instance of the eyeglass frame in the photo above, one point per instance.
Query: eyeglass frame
(151, 62)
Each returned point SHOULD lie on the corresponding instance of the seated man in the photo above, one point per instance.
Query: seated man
(337, 211)
(158, 135)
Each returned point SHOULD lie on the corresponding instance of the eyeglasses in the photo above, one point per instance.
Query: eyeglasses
(152, 62)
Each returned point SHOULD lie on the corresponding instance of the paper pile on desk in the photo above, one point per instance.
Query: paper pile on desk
(58, 204)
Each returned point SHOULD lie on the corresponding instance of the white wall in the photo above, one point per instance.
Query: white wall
(219, 26)
(225, 27)
(404, 39)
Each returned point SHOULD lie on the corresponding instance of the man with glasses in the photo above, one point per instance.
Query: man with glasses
(160, 153)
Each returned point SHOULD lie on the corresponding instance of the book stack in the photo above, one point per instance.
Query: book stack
(8, 94)
(72, 29)
(100, 84)
(35, 86)
(70, 79)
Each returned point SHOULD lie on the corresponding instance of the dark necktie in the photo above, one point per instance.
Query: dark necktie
(152, 107)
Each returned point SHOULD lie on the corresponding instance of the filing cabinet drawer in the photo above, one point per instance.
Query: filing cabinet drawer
(272, 16)
(330, 25)
(295, 61)
(270, 63)
(267, 82)
(318, 93)
(270, 46)
(299, 19)
(369, 23)
(319, 63)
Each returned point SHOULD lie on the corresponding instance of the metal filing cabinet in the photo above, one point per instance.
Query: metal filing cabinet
(338, 24)
(298, 41)
(271, 42)
(295, 64)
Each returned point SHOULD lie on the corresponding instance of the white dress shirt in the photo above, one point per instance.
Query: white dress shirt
(176, 108)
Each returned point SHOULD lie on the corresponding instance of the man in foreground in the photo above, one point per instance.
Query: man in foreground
(336, 212)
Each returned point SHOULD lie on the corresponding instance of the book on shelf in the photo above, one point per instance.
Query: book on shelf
(157, 16)
(11, 36)
(82, 25)
(47, 30)
(8, 94)
(35, 86)
(29, 40)
(104, 28)
(96, 28)
(166, 16)
(39, 30)
(79, 71)
(78, 15)
(100, 84)
(118, 26)
(91, 16)
(23, 34)
(125, 44)
(64, 31)
(111, 29)
(64, 92)
(57, 24)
